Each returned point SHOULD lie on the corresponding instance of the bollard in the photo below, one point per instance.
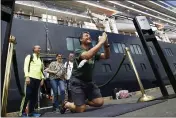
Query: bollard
(144, 97)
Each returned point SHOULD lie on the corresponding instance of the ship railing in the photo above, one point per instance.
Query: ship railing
(80, 25)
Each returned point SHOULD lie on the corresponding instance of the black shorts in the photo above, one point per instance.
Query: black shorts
(81, 91)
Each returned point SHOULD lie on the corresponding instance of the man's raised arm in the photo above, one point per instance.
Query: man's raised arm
(89, 54)
(106, 53)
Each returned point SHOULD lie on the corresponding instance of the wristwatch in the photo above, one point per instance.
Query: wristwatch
(107, 46)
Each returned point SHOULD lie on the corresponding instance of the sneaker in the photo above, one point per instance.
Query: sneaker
(57, 110)
(62, 108)
(34, 114)
(23, 115)
(53, 109)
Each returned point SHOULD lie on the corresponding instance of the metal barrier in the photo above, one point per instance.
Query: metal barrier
(113, 77)
(144, 97)
(12, 41)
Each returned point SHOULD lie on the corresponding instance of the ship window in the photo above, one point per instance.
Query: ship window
(175, 65)
(135, 49)
(107, 68)
(132, 49)
(143, 66)
(151, 50)
(171, 52)
(76, 43)
(127, 67)
(168, 52)
(72, 43)
(115, 48)
(139, 49)
(123, 46)
(157, 66)
(103, 68)
(119, 47)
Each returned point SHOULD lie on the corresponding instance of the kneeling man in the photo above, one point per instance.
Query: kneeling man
(83, 90)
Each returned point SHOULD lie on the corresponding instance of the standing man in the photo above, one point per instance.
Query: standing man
(69, 66)
(57, 73)
(33, 67)
(83, 90)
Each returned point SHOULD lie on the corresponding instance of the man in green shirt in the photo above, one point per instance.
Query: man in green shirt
(81, 85)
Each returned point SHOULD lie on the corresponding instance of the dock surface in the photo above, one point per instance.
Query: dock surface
(164, 109)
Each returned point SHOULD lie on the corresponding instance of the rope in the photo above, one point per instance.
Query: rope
(106, 83)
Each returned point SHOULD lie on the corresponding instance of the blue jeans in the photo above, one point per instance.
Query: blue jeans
(55, 83)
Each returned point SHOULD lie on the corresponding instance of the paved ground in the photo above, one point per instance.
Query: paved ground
(165, 109)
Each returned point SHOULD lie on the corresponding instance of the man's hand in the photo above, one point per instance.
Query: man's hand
(104, 35)
(92, 52)
(103, 38)
(106, 42)
(27, 80)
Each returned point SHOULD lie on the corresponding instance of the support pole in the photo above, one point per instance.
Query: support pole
(38, 99)
(144, 97)
(165, 64)
(7, 76)
(8, 17)
(144, 30)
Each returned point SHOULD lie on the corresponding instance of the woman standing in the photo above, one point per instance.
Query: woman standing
(57, 73)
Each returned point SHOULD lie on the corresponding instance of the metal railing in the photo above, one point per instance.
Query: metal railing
(144, 97)
(7, 75)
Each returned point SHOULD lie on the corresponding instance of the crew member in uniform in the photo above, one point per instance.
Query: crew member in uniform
(83, 90)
